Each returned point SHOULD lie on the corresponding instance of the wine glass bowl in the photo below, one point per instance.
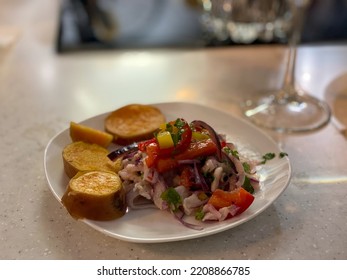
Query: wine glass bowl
(289, 109)
(285, 112)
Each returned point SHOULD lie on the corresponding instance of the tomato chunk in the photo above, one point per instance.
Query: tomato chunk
(195, 150)
(198, 149)
(240, 197)
(152, 154)
(187, 177)
(143, 145)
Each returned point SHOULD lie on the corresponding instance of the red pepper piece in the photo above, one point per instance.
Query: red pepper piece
(195, 150)
(143, 145)
(187, 177)
(240, 197)
(152, 154)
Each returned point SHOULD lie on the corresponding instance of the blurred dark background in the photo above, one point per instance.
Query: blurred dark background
(110, 24)
(326, 21)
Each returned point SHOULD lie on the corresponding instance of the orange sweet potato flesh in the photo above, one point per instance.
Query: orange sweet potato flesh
(133, 123)
(82, 156)
(95, 195)
(80, 132)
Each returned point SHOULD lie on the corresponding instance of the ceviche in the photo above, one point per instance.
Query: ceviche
(190, 170)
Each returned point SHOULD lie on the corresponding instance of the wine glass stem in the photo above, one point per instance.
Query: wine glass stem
(289, 78)
(294, 38)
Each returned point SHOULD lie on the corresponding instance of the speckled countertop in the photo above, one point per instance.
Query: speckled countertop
(41, 91)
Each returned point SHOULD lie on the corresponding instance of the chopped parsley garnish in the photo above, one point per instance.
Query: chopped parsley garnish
(179, 123)
(246, 167)
(169, 127)
(199, 214)
(283, 154)
(229, 151)
(267, 157)
(175, 138)
(235, 153)
(172, 197)
(270, 156)
(176, 134)
(247, 185)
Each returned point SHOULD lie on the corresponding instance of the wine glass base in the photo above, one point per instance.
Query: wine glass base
(293, 113)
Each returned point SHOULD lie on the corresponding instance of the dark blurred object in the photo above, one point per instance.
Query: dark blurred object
(326, 21)
(91, 24)
(110, 24)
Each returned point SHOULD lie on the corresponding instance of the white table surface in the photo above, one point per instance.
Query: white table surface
(41, 92)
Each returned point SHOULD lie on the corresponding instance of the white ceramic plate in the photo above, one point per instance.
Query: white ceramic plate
(152, 225)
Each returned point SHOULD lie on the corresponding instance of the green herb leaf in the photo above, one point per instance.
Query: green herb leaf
(227, 150)
(175, 138)
(267, 157)
(179, 123)
(199, 214)
(172, 197)
(168, 127)
(247, 185)
(283, 154)
(246, 167)
(234, 153)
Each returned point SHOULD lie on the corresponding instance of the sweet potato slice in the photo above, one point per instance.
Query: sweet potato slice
(80, 132)
(134, 122)
(95, 195)
(81, 156)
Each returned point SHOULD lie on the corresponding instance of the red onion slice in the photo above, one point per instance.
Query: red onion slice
(122, 151)
(179, 215)
(200, 180)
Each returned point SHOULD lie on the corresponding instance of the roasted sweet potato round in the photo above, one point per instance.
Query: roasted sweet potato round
(134, 122)
(95, 195)
(81, 156)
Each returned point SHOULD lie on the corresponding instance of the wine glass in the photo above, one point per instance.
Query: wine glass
(289, 109)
